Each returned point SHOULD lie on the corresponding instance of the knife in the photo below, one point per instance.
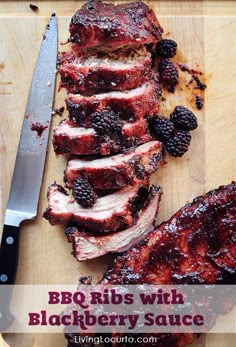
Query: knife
(29, 166)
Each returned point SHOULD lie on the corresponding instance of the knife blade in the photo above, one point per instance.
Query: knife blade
(29, 166)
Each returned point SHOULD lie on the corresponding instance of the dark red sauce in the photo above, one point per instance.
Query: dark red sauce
(34, 7)
(39, 128)
(184, 67)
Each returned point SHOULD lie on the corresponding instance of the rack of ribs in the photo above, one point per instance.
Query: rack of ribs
(195, 246)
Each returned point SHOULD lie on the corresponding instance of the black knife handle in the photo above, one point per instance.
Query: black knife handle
(9, 251)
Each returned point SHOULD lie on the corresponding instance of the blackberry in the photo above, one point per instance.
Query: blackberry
(168, 72)
(199, 102)
(106, 122)
(179, 143)
(183, 118)
(84, 193)
(166, 48)
(162, 128)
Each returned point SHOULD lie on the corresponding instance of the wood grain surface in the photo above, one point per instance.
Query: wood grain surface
(205, 32)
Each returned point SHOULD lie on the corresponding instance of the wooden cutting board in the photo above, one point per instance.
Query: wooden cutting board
(203, 39)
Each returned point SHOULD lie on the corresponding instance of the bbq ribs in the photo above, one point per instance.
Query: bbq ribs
(70, 139)
(106, 26)
(196, 246)
(88, 246)
(105, 72)
(130, 105)
(116, 171)
(112, 93)
(110, 212)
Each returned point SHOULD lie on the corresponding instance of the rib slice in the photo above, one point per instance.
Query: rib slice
(88, 247)
(130, 105)
(100, 72)
(106, 25)
(69, 139)
(119, 170)
(110, 213)
(197, 245)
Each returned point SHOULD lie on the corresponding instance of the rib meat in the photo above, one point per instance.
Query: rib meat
(116, 171)
(102, 72)
(110, 213)
(88, 247)
(67, 138)
(130, 105)
(106, 25)
(197, 245)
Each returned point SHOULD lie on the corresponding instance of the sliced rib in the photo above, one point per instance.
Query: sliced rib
(130, 105)
(111, 212)
(69, 139)
(88, 247)
(106, 25)
(125, 69)
(119, 170)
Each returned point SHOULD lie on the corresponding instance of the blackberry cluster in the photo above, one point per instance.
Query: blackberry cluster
(183, 118)
(162, 128)
(174, 132)
(84, 193)
(179, 143)
(168, 72)
(166, 48)
(106, 122)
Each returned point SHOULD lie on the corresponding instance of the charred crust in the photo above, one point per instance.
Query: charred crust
(85, 280)
(156, 160)
(61, 148)
(59, 188)
(154, 189)
(47, 214)
(139, 170)
(138, 202)
(71, 230)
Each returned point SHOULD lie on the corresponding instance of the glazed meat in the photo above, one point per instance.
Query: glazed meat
(110, 213)
(88, 247)
(129, 105)
(197, 245)
(119, 170)
(125, 69)
(69, 139)
(106, 25)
